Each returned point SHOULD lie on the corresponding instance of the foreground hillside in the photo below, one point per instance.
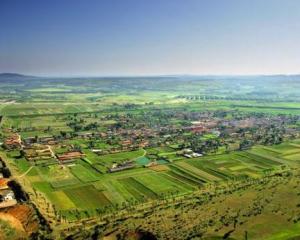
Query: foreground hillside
(264, 209)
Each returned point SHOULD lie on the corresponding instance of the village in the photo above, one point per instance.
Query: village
(186, 134)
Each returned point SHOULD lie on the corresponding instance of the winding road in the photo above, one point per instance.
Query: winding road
(25, 173)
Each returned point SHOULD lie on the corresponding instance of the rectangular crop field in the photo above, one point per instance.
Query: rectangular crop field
(87, 197)
(137, 189)
(83, 174)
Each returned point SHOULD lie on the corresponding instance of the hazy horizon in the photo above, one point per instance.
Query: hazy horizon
(147, 75)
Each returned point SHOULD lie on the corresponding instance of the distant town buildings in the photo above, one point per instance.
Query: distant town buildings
(70, 157)
(13, 142)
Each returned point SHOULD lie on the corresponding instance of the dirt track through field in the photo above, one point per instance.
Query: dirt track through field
(25, 173)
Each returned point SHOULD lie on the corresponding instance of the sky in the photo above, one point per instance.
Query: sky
(149, 37)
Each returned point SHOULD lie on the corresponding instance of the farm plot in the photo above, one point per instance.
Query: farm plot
(87, 197)
(138, 190)
(159, 168)
(197, 171)
(183, 179)
(294, 157)
(63, 202)
(18, 109)
(288, 150)
(92, 157)
(167, 153)
(188, 174)
(100, 167)
(38, 122)
(252, 161)
(83, 174)
(160, 150)
(44, 108)
(185, 176)
(265, 156)
(180, 183)
(64, 182)
(119, 157)
(239, 164)
(41, 126)
(284, 148)
(159, 184)
(58, 198)
(114, 191)
(57, 176)
(212, 169)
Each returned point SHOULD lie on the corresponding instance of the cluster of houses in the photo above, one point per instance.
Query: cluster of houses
(202, 126)
(40, 140)
(140, 135)
(38, 152)
(130, 144)
(13, 142)
(70, 157)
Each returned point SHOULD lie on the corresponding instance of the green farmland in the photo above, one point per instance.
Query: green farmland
(182, 157)
(79, 186)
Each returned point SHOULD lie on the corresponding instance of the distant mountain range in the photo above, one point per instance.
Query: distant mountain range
(18, 76)
(14, 76)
